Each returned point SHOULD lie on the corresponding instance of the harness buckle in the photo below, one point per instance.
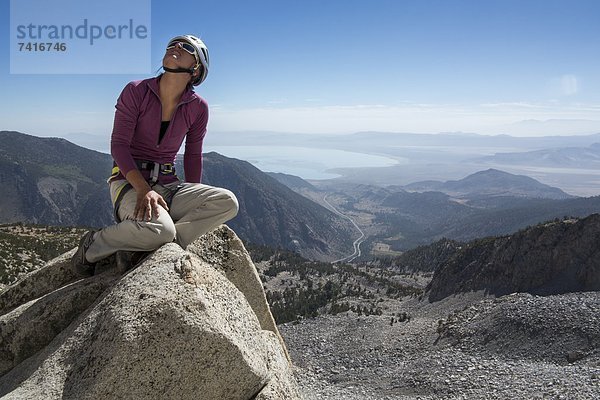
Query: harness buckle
(167, 168)
(156, 169)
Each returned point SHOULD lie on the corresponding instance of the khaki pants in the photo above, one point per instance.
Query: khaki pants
(194, 209)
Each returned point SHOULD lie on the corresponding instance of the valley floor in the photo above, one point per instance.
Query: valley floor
(350, 357)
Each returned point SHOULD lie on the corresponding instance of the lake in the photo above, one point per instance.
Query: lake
(307, 163)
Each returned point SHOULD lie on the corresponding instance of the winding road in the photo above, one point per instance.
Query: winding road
(357, 242)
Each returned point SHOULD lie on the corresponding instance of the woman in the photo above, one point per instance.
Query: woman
(152, 207)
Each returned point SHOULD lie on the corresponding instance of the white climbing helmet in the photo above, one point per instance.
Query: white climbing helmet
(200, 53)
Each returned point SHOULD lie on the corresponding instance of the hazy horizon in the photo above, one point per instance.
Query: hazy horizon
(101, 143)
(387, 160)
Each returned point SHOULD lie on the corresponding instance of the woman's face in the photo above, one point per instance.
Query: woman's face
(176, 56)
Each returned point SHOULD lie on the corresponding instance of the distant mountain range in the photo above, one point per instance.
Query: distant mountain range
(562, 157)
(417, 218)
(486, 203)
(440, 157)
(491, 183)
(387, 142)
(52, 181)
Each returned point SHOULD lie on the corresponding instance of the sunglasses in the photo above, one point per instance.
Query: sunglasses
(184, 45)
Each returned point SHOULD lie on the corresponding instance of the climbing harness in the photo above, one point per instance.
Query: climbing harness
(156, 169)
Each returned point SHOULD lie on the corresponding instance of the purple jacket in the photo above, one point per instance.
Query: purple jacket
(137, 126)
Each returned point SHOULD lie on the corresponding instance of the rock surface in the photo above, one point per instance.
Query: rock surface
(559, 328)
(354, 357)
(173, 327)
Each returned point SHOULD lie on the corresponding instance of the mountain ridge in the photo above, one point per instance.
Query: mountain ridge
(572, 157)
(491, 182)
(269, 211)
(551, 258)
(52, 181)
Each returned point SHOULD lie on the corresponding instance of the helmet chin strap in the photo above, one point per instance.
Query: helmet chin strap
(178, 70)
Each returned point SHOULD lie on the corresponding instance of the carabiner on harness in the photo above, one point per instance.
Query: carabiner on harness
(155, 172)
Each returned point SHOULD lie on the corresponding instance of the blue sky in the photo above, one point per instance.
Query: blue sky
(497, 66)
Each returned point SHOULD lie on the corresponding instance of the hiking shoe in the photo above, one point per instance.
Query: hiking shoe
(126, 260)
(139, 257)
(123, 261)
(79, 264)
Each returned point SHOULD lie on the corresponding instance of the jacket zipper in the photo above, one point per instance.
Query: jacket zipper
(158, 141)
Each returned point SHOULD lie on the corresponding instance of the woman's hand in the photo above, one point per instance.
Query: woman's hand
(147, 204)
(148, 200)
